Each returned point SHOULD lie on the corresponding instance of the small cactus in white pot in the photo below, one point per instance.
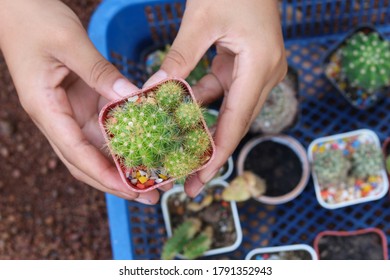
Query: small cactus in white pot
(157, 135)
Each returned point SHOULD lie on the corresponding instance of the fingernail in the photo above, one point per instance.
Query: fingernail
(123, 87)
(127, 196)
(143, 200)
(155, 78)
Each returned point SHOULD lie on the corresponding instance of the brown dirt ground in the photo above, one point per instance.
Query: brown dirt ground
(44, 212)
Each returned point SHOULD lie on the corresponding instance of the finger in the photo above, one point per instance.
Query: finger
(79, 54)
(213, 85)
(183, 57)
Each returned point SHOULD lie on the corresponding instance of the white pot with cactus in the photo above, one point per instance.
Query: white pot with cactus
(202, 226)
(157, 135)
(348, 168)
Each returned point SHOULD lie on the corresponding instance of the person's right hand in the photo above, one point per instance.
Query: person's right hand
(250, 61)
(62, 82)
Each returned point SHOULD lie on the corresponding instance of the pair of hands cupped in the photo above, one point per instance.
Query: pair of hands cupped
(63, 81)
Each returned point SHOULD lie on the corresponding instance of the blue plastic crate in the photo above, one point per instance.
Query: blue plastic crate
(123, 30)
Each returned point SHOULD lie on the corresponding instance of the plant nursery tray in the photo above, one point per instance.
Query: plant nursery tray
(123, 29)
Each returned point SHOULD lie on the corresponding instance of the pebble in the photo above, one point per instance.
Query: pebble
(52, 163)
(4, 152)
(16, 173)
(6, 128)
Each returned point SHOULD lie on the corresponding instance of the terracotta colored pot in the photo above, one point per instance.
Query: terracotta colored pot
(296, 148)
(346, 234)
(144, 92)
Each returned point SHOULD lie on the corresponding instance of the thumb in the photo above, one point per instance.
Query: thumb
(86, 61)
(189, 46)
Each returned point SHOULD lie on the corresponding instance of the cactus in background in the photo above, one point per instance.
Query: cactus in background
(331, 167)
(200, 244)
(210, 118)
(161, 130)
(366, 61)
(243, 187)
(181, 236)
(367, 160)
(388, 164)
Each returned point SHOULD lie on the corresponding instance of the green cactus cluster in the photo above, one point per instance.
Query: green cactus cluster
(331, 167)
(366, 61)
(162, 129)
(188, 239)
(366, 160)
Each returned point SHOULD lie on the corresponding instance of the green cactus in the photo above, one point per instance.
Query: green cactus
(196, 141)
(151, 131)
(366, 61)
(169, 95)
(181, 236)
(388, 164)
(200, 244)
(188, 115)
(331, 167)
(141, 134)
(178, 163)
(367, 160)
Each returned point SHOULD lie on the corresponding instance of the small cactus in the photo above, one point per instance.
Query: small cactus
(331, 167)
(178, 163)
(169, 95)
(196, 141)
(367, 160)
(388, 164)
(366, 61)
(181, 236)
(200, 244)
(279, 110)
(188, 115)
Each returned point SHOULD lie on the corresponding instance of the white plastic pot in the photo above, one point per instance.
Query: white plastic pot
(236, 219)
(286, 248)
(369, 136)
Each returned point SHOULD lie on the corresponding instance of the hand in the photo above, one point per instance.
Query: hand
(250, 61)
(62, 82)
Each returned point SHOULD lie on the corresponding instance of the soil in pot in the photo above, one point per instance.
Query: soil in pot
(367, 246)
(277, 164)
(210, 209)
